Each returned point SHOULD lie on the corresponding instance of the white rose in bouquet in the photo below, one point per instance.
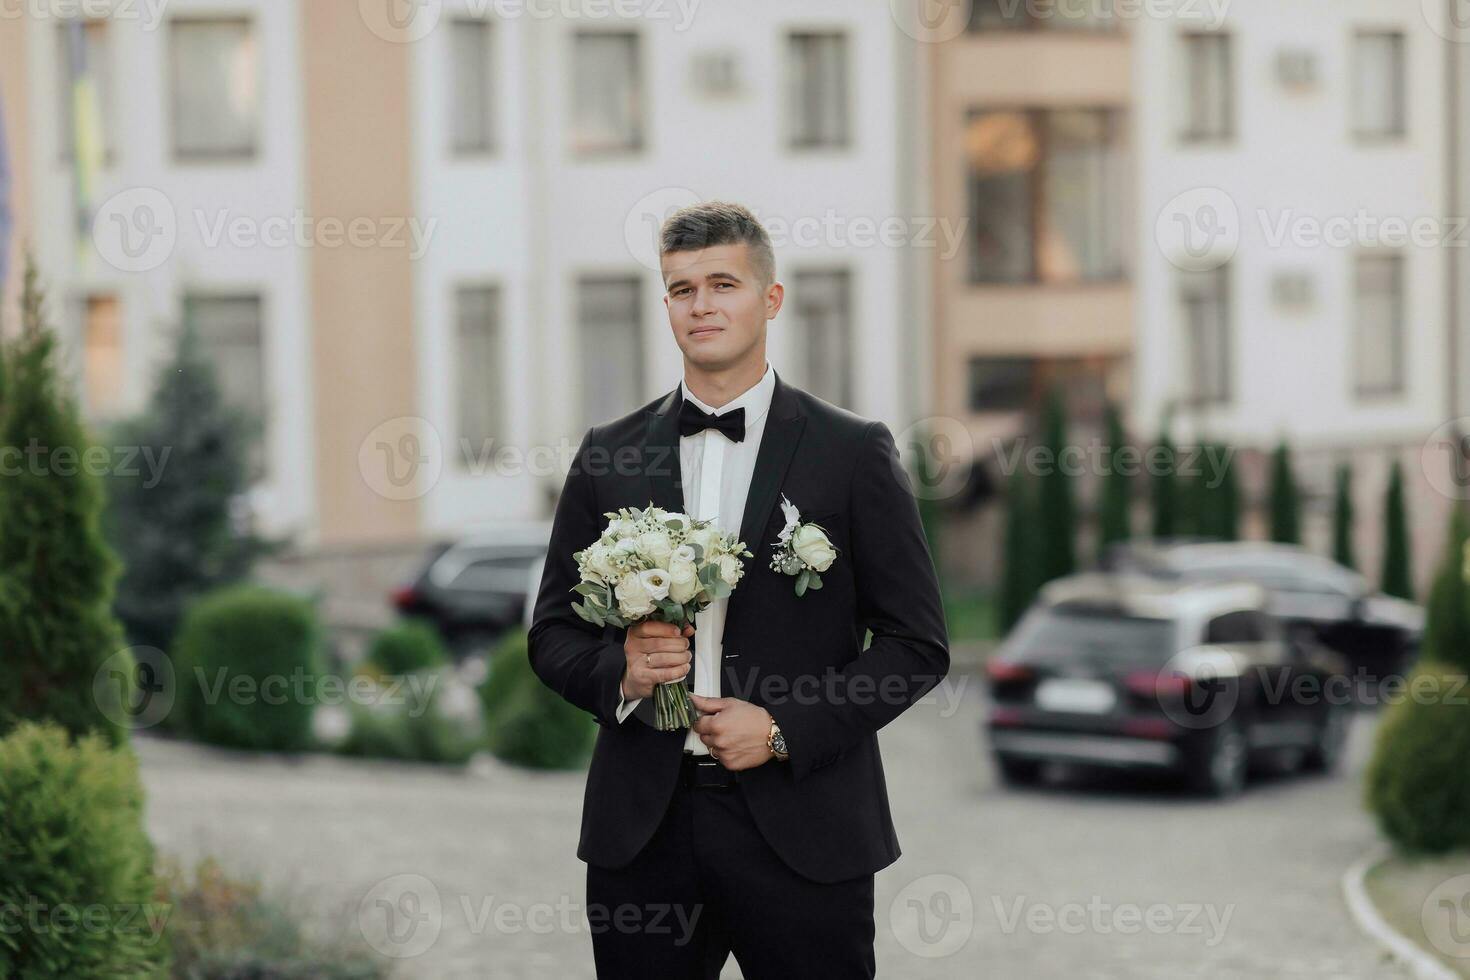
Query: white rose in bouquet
(651, 563)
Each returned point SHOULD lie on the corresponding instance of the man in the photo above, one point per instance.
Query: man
(758, 830)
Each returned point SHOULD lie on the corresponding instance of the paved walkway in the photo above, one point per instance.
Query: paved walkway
(1077, 879)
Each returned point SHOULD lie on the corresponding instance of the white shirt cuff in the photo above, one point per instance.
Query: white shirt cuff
(625, 708)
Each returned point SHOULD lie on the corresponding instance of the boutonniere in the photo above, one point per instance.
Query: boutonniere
(802, 549)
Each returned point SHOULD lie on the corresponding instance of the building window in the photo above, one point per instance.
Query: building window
(1205, 307)
(471, 112)
(1379, 325)
(1378, 85)
(230, 328)
(1045, 196)
(83, 52)
(101, 341)
(610, 326)
(1031, 15)
(824, 334)
(818, 109)
(479, 379)
(1209, 102)
(216, 89)
(1001, 384)
(607, 92)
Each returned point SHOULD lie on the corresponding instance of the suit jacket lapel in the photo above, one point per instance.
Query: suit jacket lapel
(661, 454)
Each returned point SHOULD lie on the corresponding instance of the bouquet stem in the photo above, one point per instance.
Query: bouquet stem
(672, 709)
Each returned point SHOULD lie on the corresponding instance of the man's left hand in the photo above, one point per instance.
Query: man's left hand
(734, 730)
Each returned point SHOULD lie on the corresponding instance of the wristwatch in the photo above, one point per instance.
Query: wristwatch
(776, 742)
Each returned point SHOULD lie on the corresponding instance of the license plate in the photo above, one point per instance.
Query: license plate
(1072, 694)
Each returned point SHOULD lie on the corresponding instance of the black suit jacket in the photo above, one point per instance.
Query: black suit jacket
(825, 811)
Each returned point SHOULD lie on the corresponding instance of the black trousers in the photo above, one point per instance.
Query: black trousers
(707, 885)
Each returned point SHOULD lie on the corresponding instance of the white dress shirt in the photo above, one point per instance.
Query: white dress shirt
(716, 474)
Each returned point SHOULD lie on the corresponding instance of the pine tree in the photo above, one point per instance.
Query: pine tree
(57, 633)
(1285, 507)
(170, 515)
(1165, 487)
(1225, 522)
(1113, 520)
(1057, 518)
(1342, 518)
(1396, 580)
(1021, 576)
(1447, 611)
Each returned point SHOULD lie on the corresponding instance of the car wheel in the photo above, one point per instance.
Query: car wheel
(1331, 737)
(1221, 771)
(1017, 772)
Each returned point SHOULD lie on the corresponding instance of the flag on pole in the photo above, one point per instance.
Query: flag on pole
(86, 123)
(6, 220)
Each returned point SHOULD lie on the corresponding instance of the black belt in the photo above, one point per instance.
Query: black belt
(703, 772)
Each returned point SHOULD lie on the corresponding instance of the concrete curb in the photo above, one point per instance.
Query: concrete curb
(1420, 963)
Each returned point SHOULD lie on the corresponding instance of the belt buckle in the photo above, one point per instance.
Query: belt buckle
(703, 772)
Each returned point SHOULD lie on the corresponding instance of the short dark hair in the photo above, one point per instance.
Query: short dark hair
(710, 223)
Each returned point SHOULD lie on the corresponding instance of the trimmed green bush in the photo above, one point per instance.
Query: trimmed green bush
(1022, 573)
(225, 928)
(1447, 609)
(75, 865)
(1114, 523)
(247, 663)
(1164, 486)
(407, 646)
(1418, 783)
(528, 724)
(1342, 517)
(1057, 531)
(432, 716)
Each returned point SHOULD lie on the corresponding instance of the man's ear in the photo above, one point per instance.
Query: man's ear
(775, 296)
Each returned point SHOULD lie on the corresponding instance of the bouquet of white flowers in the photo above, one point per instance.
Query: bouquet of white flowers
(655, 564)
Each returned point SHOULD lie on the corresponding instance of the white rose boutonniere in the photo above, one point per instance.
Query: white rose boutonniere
(802, 550)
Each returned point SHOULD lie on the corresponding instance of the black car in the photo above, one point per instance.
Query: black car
(1199, 679)
(476, 588)
(1377, 634)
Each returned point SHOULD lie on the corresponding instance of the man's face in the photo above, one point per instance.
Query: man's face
(717, 306)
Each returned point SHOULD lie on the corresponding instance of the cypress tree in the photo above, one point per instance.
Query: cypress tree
(170, 518)
(1165, 486)
(1021, 577)
(1057, 518)
(56, 572)
(1397, 579)
(1342, 518)
(1285, 507)
(1114, 523)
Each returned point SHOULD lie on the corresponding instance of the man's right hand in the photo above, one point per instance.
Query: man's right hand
(657, 653)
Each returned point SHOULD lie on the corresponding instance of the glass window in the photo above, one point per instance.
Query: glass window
(82, 50)
(471, 117)
(216, 88)
(607, 93)
(1070, 633)
(611, 346)
(818, 103)
(1378, 85)
(1379, 325)
(824, 333)
(1209, 107)
(479, 380)
(1045, 196)
(230, 334)
(1205, 302)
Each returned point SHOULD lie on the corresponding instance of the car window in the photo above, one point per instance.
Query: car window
(1049, 633)
(1241, 626)
(506, 573)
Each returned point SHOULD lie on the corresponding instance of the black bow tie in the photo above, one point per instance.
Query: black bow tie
(692, 419)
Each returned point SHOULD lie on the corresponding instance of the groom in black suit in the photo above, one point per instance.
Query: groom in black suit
(757, 832)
